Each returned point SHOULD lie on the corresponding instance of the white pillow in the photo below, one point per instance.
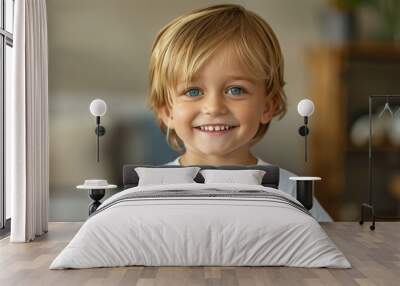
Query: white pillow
(249, 177)
(162, 176)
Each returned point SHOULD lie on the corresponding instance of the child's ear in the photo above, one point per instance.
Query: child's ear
(166, 117)
(268, 112)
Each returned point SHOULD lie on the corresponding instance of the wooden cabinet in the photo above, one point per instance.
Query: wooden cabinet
(341, 79)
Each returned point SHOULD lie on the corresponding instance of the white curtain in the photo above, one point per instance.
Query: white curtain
(27, 143)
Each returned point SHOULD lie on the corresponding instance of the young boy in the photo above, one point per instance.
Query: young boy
(216, 81)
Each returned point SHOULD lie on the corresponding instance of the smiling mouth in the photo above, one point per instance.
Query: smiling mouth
(215, 131)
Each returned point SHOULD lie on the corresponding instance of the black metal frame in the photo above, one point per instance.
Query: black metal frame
(369, 206)
(6, 38)
(5, 231)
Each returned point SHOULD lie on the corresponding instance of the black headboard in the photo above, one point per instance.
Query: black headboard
(271, 178)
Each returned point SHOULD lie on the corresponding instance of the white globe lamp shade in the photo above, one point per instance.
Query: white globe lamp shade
(98, 107)
(305, 107)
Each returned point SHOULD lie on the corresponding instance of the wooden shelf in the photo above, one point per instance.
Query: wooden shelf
(386, 146)
(354, 149)
(379, 50)
(339, 82)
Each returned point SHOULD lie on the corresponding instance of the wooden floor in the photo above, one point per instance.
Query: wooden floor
(374, 255)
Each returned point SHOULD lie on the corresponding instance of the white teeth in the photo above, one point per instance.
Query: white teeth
(215, 128)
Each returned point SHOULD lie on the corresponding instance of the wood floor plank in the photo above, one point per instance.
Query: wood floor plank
(374, 255)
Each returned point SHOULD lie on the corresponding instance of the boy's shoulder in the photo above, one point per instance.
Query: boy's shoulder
(284, 173)
(174, 162)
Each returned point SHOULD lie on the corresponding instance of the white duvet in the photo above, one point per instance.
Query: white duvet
(182, 231)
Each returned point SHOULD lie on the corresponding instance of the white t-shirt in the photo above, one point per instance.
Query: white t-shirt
(288, 186)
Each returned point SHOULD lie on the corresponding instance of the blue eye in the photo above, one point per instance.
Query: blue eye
(193, 92)
(236, 90)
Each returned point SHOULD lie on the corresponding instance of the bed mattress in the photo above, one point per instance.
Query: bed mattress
(201, 225)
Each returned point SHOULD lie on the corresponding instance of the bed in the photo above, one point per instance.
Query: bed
(201, 224)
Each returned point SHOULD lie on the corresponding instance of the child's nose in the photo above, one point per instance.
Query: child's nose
(214, 104)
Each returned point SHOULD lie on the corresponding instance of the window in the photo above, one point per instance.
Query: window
(6, 45)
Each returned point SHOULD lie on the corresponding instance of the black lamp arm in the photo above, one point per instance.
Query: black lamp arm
(303, 131)
(100, 131)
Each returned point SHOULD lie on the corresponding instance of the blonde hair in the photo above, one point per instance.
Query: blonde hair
(184, 44)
